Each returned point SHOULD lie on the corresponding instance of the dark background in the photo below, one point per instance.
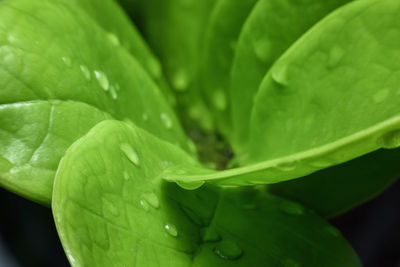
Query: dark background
(28, 236)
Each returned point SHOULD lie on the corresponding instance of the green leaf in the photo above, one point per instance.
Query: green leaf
(112, 208)
(270, 29)
(221, 36)
(50, 51)
(337, 189)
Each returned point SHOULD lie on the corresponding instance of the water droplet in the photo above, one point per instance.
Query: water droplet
(145, 117)
(102, 79)
(109, 206)
(210, 234)
(290, 263)
(113, 39)
(180, 81)
(381, 95)
(320, 163)
(335, 55)
(390, 140)
(291, 208)
(262, 49)
(86, 72)
(219, 100)
(113, 93)
(130, 153)
(228, 250)
(166, 120)
(67, 61)
(332, 231)
(126, 176)
(152, 199)
(190, 185)
(279, 75)
(287, 165)
(171, 229)
(144, 205)
(155, 68)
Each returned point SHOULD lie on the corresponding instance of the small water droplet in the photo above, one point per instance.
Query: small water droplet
(145, 117)
(152, 199)
(290, 263)
(390, 140)
(262, 49)
(219, 99)
(291, 208)
(190, 185)
(130, 153)
(228, 250)
(126, 176)
(180, 81)
(381, 95)
(166, 120)
(67, 61)
(86, 72)
(335, 55)
(332, 231)
(320, 163)
(279, 75)
(287, 165)
(102, 79)
(113, 38)
(210, 234)
(113, 93)
(171, 229)
(144, 205)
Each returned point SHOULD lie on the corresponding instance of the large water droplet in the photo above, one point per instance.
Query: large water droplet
(190, 185)
(102, 79)
(381, 95)
(144, 205)
(130, 153)
(210, 235)
(287, 165)
(166, 120)
(219, 99)
(67, 61)
(279, 75)
(262, 49)
(152, 199)
(113, 38)
(291, 208)
(390, 140)
(180, 81)
(113, 93)
(86, 72)
(228, 250)
(335, 55)
(290, 263)
(171, 229)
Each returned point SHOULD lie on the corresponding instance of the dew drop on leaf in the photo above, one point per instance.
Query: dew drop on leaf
(113, 93)
(279, 75)
(262, 49)
(67, 61)
(166, 120)
(144, 205)
(145, 117)
(113, 39)
(190, 185)
(335, 55)
(130, 153)
(291, 208)
(152, 199)
(155, 68)
(287, 165)
(228, 250)
(180, 81)
(126, 176)
(171, 229)
(290, 263)
(86, 72)
(102, 79)
(390, 140)
(219, 99)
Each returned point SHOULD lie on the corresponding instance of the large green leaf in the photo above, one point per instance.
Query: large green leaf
(50, 50)
(112, 208)
(222, 32)
(271, 28)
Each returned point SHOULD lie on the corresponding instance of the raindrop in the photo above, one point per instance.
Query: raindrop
(144, 205)
(290, 263)
(152, 199)
(155, 68)
(390, 140)
(381, 95)
(291, 208)
(219, 100)
(287, 165)
(166, 120)
(102, 79)
(171, 230)
(320, 163)
(180, 81)
(113, 39)
(335, 55)
(113, 93)
(279, 75)
(86, 72)
(262, 49)
(67, 61)
(190, 185)
(130, 153)
(126, 176)
(228, 250)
